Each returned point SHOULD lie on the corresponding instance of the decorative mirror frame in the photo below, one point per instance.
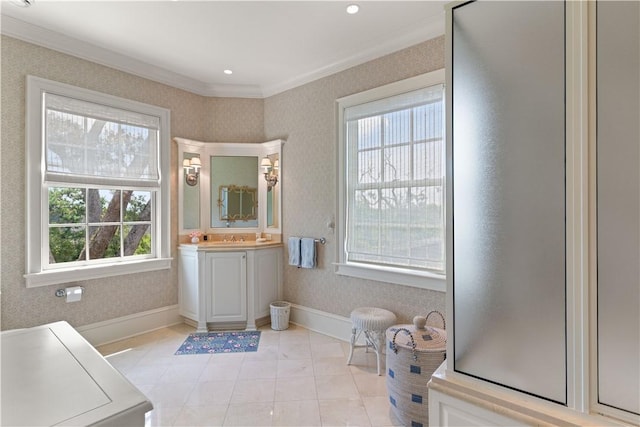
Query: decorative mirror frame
(224, 215)
(208, 149)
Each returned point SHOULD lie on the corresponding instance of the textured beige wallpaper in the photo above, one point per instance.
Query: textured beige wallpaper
(306, 118)
(235, 120)
(192, 116)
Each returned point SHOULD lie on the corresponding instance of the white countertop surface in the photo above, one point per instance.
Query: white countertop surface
(51, 375)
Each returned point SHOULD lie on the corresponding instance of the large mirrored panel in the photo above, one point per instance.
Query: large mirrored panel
(190, 194)
(255, 166)
(233, 172)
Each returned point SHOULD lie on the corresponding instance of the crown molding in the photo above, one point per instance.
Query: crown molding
(59, 42)
(233, 91)
(425, 31)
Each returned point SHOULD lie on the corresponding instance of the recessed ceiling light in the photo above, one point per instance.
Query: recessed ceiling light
(352, 9)
(228, 72)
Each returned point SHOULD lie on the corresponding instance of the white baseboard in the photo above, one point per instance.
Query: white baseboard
(109, 331)
(320, 321)
(129, 326)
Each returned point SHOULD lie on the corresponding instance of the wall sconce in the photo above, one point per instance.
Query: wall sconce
(191, 170)
(270, 172)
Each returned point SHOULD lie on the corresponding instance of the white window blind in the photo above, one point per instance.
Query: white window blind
(86, 142)
(395, 181)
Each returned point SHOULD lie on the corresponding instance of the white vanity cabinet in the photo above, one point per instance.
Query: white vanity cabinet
(228, 286)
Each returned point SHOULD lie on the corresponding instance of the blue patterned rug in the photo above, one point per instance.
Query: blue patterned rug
(220, 342)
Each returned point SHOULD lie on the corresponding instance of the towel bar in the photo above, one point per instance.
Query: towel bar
(321, 240)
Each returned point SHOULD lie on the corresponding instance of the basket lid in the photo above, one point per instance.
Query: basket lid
(427, 339)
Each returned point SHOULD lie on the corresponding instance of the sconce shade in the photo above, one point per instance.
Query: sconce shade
(270, 174)
(191, 175)
(265, 163)
(276, 164)
(195, 163)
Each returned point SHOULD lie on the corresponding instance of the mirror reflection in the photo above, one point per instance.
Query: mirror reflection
(237, 203)
(234, 172)
(271, 170)
(190, 194)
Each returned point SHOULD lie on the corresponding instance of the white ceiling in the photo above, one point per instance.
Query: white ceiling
(271, 46)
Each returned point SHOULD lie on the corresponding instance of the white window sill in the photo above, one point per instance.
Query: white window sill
(416, 279)
(66, 275)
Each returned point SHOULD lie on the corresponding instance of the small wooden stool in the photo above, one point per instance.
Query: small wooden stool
(373, 322)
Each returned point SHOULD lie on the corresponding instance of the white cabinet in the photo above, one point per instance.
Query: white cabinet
(52, 376)
(577, 232)
(226, 287)
(226, 290)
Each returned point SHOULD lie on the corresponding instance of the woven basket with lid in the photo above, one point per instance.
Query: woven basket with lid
(412, 356)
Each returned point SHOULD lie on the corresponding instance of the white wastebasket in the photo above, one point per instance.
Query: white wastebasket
(280, 315)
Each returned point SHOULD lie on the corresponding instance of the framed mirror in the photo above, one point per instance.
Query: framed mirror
(229, 164)
(234, 198)
(237, 203)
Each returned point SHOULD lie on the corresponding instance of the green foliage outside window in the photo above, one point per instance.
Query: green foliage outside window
(71, 235)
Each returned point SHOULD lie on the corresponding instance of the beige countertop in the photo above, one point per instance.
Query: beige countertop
(230, 246)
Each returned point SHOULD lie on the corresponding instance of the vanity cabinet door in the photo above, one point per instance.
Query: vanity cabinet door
(226, 280)
(268, 280)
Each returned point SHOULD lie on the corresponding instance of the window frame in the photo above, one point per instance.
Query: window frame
(37, 192)
(402, 276)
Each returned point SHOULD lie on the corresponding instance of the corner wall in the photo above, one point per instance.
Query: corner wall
(192, 116)
(306, 118)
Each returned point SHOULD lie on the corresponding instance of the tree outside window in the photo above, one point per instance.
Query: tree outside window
(97, 205)
(391, 193)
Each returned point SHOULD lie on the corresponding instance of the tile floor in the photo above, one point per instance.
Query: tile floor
(296, 378)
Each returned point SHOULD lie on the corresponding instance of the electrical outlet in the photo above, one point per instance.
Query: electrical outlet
(205, 237)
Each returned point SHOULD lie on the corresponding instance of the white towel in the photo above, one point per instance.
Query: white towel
(294, 251)
(307, 252)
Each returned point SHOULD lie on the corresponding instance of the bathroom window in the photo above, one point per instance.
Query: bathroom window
(97, 203)
(392, 183)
